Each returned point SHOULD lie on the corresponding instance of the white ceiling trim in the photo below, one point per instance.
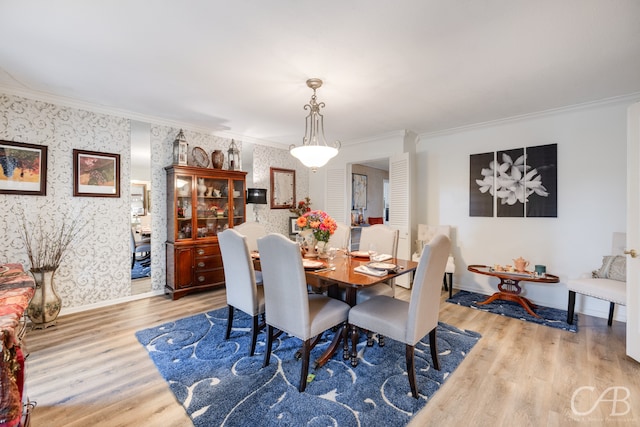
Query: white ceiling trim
(629, 98)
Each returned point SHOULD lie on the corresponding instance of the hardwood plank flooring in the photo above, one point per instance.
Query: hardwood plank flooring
(90, 370)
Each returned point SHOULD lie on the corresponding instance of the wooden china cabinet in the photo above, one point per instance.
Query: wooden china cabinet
(201, 203)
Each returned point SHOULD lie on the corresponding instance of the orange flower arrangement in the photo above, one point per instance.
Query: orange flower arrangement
(320, 223)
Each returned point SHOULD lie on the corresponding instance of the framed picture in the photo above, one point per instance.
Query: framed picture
(293, 225)
(96, 174)
(138, 199)
(24, 168)
(283, 188)
(358, 191)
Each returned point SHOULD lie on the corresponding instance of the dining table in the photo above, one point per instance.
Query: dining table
(341, 274)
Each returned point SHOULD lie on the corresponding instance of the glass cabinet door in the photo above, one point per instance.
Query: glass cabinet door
(183, 187)
(212, 207)
(238, 202)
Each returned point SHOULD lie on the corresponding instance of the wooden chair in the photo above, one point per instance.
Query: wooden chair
(289, 307)
(403, 321)
(242, 290)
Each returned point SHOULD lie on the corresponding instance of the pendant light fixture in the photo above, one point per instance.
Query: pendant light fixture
(314, 151)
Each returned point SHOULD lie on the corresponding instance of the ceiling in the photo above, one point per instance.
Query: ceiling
(239, 67)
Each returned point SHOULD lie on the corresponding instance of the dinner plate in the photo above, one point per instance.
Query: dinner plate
(360, 254)
(308, 263)
(381, 265)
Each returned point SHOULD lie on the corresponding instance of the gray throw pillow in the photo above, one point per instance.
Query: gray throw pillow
(614, 267)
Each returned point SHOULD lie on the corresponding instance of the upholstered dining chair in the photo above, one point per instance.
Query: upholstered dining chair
(608, 283)
(425, 234)
(241, 288)
(403, 321)
(340, 238)
(289, 307)
(252, 231)
(385, 240)
(140, 250)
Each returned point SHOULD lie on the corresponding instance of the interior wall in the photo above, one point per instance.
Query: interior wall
(96, 267)
(591, 199)
(375, 189)
(264, 158)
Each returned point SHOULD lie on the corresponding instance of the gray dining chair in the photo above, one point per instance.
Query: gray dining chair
(289, 308)
(340, 237)
(241, 287)
(385, 240)
(407, 322)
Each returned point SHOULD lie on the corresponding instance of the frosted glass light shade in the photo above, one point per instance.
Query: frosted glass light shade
(314, 156)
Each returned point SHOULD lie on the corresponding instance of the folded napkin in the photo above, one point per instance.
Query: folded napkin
(381, 257)
(370, 271)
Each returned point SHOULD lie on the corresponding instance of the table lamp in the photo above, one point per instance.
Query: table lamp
(256, 196)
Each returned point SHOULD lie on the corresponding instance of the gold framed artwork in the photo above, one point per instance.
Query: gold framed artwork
(283, 188)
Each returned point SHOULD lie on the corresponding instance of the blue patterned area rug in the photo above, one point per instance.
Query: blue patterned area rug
(141, 269)
(552, 317)
(219, 384)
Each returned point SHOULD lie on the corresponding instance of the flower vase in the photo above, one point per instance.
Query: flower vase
(45, 305)
(322, 249)
(309, 244)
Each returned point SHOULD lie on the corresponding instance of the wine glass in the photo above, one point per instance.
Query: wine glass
(372, 251)
(331, 255)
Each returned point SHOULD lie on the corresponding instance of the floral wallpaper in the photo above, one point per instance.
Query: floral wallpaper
(97, 267)
(265, 157)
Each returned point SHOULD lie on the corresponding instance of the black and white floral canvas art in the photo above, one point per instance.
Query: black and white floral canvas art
(518, 182)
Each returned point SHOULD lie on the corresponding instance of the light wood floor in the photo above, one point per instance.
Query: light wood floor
(90, 370)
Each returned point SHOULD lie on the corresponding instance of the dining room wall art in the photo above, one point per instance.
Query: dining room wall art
(24, 168)
(358, 191)
(283, 188)
(96, 174)
(519, 182)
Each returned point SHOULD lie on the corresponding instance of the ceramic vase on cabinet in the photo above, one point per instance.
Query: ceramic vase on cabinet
(201, 187)
(217, 158)
(45, 305)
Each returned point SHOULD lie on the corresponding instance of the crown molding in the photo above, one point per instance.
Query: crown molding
(628, 98)
(101, 109)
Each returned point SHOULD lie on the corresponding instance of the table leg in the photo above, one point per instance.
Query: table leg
(510, 291)
(350, 297)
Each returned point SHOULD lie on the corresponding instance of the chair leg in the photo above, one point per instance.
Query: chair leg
(434, 348)
(450, 280)
(255, 328)
(355, 334)
(444, 282)
(345, 339)
(571, 307)
(304, 371)
(411, 370)
(267, 351)
(229, 321)
(611, 307)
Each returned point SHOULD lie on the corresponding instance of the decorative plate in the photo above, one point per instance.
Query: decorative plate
(381, 265)
(360, 254)
(200, 157)
(308, 263)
